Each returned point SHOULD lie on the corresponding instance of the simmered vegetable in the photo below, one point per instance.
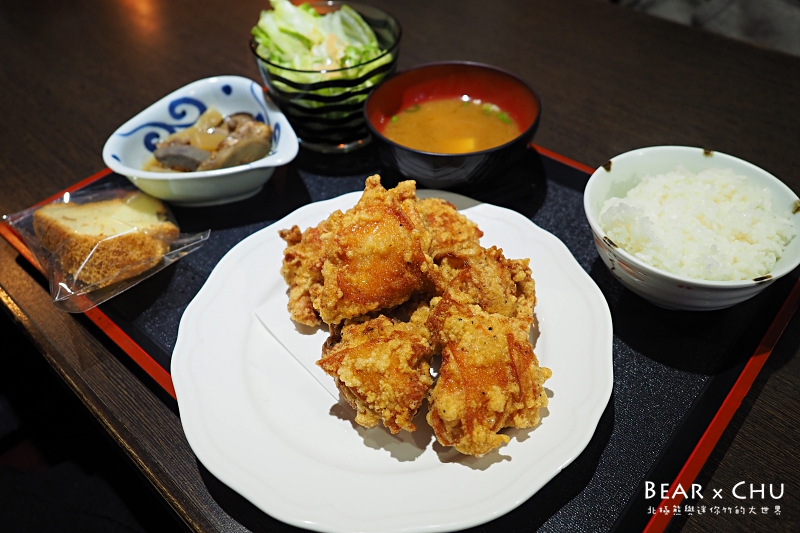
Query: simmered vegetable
(213, 142)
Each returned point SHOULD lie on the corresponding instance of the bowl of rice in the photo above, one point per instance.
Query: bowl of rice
(692, 229)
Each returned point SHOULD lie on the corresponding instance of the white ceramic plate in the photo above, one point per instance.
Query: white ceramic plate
(264, 426)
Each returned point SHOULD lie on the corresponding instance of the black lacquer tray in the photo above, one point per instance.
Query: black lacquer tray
(673, 370)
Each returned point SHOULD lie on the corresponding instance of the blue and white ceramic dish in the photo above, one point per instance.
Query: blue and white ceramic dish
(132, 145)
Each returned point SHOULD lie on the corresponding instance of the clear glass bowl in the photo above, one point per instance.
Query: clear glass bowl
(325, 107)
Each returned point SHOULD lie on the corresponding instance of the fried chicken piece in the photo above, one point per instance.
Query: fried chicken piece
(369, 274)
(302, 269)
(382, 368)
(376, 253)
(520, 271)
(490, 377)
(488, 279)
(450, 230)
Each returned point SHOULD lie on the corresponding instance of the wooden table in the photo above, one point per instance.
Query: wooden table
(610, 80)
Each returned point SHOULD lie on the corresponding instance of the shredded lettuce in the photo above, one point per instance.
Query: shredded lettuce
(314, 48)
(299, 38)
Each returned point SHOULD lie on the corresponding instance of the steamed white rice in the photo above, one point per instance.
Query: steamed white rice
(714, 225)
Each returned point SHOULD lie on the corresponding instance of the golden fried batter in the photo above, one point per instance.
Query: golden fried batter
(382, 368)
(375, 253)
(370, 273)
(488, 279)
(489, 379)
(449, 229)
(302, 269)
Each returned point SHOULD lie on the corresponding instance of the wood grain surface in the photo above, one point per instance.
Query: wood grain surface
(610, 80)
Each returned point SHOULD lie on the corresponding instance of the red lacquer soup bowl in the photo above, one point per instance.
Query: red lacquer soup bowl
(452, 80)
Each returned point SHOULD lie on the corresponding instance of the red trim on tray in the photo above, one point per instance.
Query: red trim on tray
(16, 241)
(99, 318)
(130, 347)
(81, 184)
(714, 431)
(561, 159)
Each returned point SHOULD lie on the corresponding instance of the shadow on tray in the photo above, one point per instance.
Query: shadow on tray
(701, 342)
(521, 188)
(282, 194)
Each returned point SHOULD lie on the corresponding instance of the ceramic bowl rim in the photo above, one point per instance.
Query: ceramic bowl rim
(677, 278)
(271, 160)
(523, 135)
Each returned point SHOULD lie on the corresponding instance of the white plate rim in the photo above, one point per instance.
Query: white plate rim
(206, 427)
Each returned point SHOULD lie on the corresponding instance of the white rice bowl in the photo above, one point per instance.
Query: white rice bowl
(714, 225)
(707, 249)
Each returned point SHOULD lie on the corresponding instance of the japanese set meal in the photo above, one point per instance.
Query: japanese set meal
(106, 241)
(452, 126)
(714, 225)
(213, 142)
(400, 280)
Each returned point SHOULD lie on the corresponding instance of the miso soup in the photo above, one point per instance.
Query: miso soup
(451, 126)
